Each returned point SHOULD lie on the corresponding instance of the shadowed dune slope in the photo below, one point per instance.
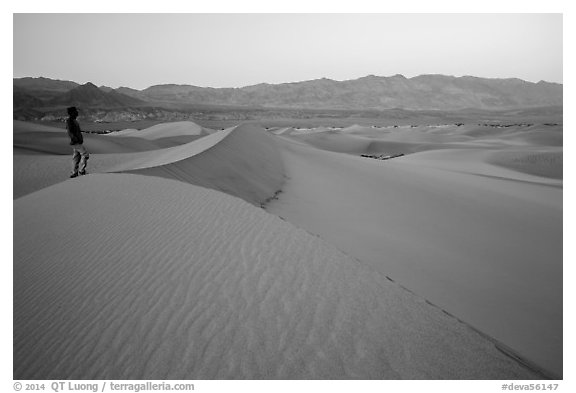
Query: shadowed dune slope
(531, 164)
(539, 137)
(243, 161)
(156, 279)
(539, 163)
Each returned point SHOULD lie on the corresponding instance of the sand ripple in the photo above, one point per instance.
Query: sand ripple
(157, 279)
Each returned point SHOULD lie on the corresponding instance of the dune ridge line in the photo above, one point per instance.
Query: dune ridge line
(243, 161)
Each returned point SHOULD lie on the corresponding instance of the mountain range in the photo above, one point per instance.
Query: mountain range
(424, 92)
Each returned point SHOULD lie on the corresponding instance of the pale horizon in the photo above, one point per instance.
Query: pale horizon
(238, 50)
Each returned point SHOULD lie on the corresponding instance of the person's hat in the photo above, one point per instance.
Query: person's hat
(71, 110)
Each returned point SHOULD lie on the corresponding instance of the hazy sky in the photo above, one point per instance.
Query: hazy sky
(234, 50)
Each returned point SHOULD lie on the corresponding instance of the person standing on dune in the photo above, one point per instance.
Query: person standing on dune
(80, 153)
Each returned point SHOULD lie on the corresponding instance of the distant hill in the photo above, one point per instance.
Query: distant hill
(132, 93)
(42, 88)
(90, 95)
(106, 89)
(47, 84)
(23, 99)
(424, 92)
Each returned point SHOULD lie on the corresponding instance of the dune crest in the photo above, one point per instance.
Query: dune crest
(165, 130)
(243, 161)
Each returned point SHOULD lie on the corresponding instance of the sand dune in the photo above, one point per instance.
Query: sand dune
(539, 163)
(42, 142)
(136, 272)
(31, 138)
(483, 242)
(157, 279)
(479, 131)
(306, 131)
(421, 138)
(529, 149)
(540, 137)
(163, 135)
(355, 128)
(371, 141)
(283, 130)
(523, 135)
(242, 161)
(413, 134)
(169, 156)
(528, 164)
(42, 155)
(165, 130)
(335, 141)
(24, 126)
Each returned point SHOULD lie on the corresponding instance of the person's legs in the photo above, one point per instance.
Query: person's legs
(75, 162)
(84, 160)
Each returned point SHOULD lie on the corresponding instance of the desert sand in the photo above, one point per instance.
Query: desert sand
(482, 241)
(161, 263)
